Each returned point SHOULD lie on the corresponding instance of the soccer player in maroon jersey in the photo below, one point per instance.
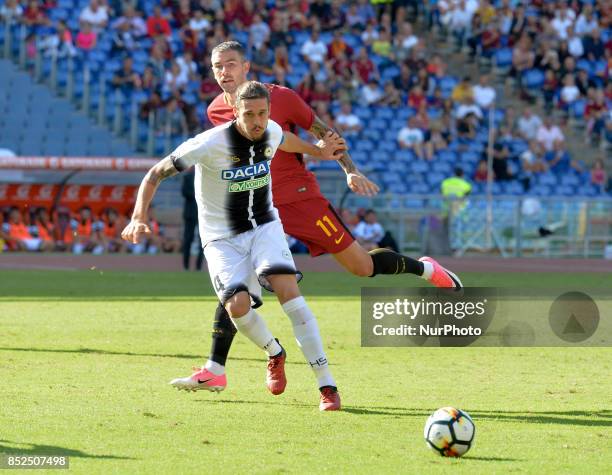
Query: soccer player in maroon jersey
(304, 211)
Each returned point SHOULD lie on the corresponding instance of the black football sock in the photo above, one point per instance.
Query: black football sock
(222, 336)
(387, 261)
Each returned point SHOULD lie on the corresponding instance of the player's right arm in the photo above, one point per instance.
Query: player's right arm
(138, 226)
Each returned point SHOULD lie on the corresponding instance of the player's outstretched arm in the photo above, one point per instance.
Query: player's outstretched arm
(138, 226)
(356, 181)
(327, 149)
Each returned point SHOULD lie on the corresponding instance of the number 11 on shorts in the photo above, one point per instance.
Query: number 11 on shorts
(321, 224)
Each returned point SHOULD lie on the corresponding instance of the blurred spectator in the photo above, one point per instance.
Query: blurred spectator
(149, 82)
(126, 78)
(338, 47)
(122, 39)
(135, 24)
(59, 44)
(569, 92)
(594, 47)
(347, 123)
(173, 119)
(370, 34)
(463, 91)
(188, 66)
(484, 94)
(364, 69)
(501, 155)
(199, 24)
(96, 15)
(319, 13)
(549, 90)
(548, 134)
(86, 234)
(86, 38)
(281, 59)
(157, 24)
(370, 93)
(404, 41)
(435, 142)
(314, 49)
(262, 60)
(305, 88)
(416, 97)
(460, 22)
(481, 173)
(586, 22)
(320, 94)
(558, 159)
(34, 15)
(369, 232)
(239, 12)
(11, 12)
(403, 82)
(528, 124)
(209, 89)
(153, 104)
(16, 234)
(391, 96)
(412, 138)
(599, 176)
(532, 159)
(383, 47)
(111, 225)
(595, 116)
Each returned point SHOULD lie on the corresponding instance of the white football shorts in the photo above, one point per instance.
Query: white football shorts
(243, 262)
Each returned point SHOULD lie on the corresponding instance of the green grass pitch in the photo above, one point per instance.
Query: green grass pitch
(85, 358)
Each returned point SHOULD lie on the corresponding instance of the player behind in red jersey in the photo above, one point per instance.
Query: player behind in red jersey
(304, 211)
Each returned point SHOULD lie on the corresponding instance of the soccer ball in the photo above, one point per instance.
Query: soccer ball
(449, 432)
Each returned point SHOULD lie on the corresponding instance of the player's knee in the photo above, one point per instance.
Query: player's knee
(238, 305)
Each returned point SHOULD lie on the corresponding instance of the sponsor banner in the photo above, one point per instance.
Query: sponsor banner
(77, 163)
(97, 197)
(248, 171)
(486, 317)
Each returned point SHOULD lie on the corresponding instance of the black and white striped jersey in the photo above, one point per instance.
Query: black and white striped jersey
(232, 178)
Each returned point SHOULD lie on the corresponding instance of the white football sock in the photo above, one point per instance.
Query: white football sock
(214, 367)
(308, 338)
(428, 269)
(256, 330)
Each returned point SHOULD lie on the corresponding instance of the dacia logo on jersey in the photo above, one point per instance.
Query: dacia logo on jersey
(249, 171)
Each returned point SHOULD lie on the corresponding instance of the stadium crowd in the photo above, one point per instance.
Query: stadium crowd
(39, 229)
(362, 66)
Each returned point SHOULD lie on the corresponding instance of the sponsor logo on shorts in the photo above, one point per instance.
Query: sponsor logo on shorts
(249, 171)
(339, 240)
(249, 184)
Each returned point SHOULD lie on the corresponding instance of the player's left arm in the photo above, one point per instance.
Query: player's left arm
(327, 149)
(355, 180)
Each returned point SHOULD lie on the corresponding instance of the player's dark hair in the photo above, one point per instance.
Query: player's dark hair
(458, 171)
(229, 46)
(252, 90)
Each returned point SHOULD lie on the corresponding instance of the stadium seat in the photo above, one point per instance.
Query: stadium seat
(533, 78)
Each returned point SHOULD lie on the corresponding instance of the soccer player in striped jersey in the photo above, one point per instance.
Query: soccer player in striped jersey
(241, 231)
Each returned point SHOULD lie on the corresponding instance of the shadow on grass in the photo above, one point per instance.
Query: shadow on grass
(578, 418)
(41, 449)
(491, 459)
(94, 351)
